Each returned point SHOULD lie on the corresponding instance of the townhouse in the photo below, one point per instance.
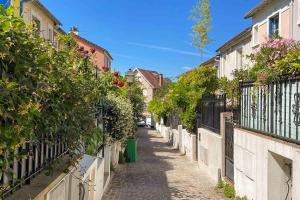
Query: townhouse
(102, 59)
(261, 153)
(150, 82)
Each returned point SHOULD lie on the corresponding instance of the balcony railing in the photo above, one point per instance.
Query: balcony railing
(273, 109)
(33, 157)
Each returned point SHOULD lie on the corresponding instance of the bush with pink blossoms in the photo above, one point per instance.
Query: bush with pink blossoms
(270, 61)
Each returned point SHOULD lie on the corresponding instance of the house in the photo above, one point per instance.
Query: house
(266, 142)
(275, 18)
(35, 13)
(233, 54)
(102, 58)
(150, 81)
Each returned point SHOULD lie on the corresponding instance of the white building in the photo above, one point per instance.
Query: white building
(233, 54)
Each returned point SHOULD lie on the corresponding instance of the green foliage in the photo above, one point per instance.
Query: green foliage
(134, 93)
(277, 57)
(202, 17)
(119, 120)
(47, 94)
(185, 95)
(229, 190)
(161, 104)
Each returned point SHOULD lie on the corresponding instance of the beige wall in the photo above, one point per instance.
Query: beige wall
(288, 20)
(100, 58)
(148, 90)
(262, 32)
(255, 173)
(31, 10)
(46, 22)
(229, 58)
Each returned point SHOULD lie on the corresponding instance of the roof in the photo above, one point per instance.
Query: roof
(211, 61)
(262, 5)
(151, 76)
(38, 4)
(243, 35)
(92, 44)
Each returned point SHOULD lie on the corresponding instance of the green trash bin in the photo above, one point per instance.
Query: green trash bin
(131, 150)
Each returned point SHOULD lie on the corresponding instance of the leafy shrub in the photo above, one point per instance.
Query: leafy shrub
(118, 119)
(229, 190)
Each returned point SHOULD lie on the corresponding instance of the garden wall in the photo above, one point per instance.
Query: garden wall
(94, 173)
(180, 139)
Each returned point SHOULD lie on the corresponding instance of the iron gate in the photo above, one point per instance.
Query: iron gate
(229, 149)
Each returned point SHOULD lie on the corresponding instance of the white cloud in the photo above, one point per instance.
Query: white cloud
(186, 68)
(178, 51)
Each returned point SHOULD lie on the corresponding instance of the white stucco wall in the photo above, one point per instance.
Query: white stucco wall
(181, 139)
(254, 168)
(210, 152)
(281, 6)
(229, 61)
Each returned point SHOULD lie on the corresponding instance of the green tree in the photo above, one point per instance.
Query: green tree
(202, 17)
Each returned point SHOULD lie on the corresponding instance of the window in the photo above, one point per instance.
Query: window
(145, 92)
(239, 58)
(255, 35)
(50, 33)
(274, 26)
(36, 23)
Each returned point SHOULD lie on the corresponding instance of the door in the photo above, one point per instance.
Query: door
(229, 150)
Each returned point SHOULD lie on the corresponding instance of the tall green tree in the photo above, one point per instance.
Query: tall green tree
(201, 15)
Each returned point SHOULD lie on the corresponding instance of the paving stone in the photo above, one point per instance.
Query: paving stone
(160, 173)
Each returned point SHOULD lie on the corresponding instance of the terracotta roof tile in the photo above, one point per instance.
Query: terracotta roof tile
(151, 76)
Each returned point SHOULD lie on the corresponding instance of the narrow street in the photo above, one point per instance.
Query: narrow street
(160, 173)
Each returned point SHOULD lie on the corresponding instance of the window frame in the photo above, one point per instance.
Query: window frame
(277, 14)
(239, 55)
(255, 31)
(36, 16)
(50, 28)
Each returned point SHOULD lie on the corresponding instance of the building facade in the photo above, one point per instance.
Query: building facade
(233, 54)
(101, 58)
(266, 152)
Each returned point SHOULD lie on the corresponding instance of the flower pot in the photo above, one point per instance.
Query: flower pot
(131, 150)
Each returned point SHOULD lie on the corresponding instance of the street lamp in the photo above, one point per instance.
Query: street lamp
(130, 76)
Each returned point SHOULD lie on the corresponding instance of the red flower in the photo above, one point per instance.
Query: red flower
(113, 81)
(116, 74)
(121, 84)
(105, 69)
(93, 50)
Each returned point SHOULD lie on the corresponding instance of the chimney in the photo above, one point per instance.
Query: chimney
(161, 80)
(74, 30)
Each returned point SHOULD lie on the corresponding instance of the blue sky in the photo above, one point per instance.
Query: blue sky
(151, 34)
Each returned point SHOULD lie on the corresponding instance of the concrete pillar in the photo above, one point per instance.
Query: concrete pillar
(167, 134)
(194, 147)
(16, 164)
(107, 152)
(180, 142)
(296, 176)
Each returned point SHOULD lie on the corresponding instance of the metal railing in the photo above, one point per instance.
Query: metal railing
(273, 109)
(35, 158)
(209, 111)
